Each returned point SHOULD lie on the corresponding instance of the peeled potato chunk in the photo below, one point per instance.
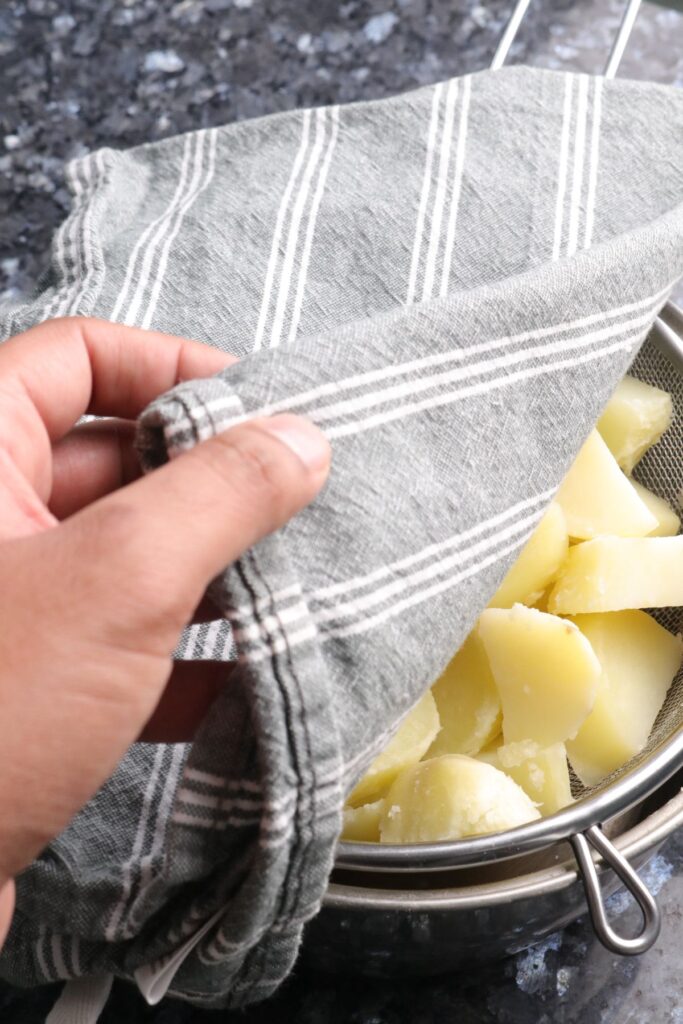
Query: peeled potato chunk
(639, 660)
(546, 672)
(668, 523)
(467, 701)
(610, 574)
(634, 419)
(450, 797)
(597, 498)
(361, 824)
(414, 736)
(544, 777)
(537, 564)
(490, 753)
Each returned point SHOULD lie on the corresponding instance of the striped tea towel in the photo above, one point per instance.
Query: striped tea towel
(450, 283)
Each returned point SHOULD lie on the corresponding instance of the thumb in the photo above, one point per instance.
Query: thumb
(111, 589)
(162, 539)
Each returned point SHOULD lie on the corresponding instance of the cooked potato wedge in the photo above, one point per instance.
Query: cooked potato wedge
(451, 797)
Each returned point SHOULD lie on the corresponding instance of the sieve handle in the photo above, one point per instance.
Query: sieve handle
(581, 844)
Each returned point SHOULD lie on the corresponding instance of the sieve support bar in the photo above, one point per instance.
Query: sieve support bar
(508, 37)
(623, 35)
(666, 338)
(581, 844)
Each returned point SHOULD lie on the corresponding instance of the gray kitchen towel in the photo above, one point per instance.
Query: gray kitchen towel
(450, 283)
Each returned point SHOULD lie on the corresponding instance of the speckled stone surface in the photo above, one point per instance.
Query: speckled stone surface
(79, 74)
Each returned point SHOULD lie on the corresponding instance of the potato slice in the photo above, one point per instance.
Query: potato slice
(490, 753)
(634, 419)
(361, 824)
(450, 797)
(668, 523)
(537, 564)
(467, 701)
(597, 498)
(610, 574)
(543, 777)
(413, 739)
(639, 660)
(546, 672)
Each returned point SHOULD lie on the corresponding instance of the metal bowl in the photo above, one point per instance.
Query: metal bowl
(388, 925)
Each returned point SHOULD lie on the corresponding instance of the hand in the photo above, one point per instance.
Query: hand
(100, 570)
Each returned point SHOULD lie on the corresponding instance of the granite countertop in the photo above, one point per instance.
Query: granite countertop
(79, 74)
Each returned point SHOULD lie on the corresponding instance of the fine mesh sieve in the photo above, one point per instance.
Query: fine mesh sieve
(660, 362)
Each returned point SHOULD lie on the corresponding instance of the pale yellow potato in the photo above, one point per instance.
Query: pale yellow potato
(597, 498)
(361, 824)
(451, 797)
(413, 739)
(546, 672)
(542, 774)
(668, 523)
(490, 753)
(639, 660)
(634, 419)
(537, 563)
(611, 574)
(544, 777)
(467, 701)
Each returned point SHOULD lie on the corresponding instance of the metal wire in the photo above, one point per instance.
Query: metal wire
(511, 30)
(623, 35)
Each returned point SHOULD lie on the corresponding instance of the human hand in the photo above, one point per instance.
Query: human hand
(100, 570)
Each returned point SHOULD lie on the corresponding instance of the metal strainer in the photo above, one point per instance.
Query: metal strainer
(660, 362)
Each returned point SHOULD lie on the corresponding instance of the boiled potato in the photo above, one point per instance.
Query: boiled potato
(668, 523)
(537, 564)
(597, 498)
(634, 419)
(361, 824)
(467, 701)
(610, 574)
(639, 660)
(490, 753)
(451, 797)
(546, 672)
(413, 739)
(544, 777)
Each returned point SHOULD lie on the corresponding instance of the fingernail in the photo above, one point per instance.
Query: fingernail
(302, 437)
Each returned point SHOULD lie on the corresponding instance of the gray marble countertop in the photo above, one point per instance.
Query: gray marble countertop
(79, 74)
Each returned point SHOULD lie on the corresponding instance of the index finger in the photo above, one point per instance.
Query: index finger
(54, 373)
